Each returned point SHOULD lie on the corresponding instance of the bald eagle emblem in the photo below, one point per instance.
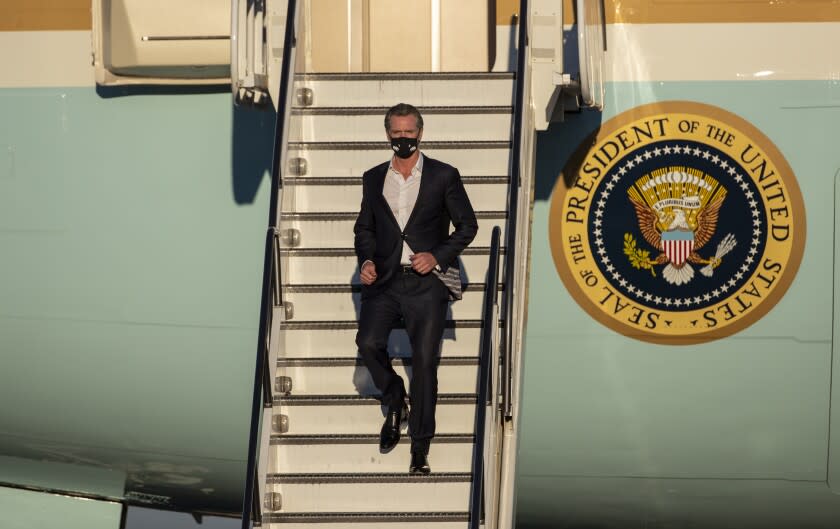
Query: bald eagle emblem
(677, 210)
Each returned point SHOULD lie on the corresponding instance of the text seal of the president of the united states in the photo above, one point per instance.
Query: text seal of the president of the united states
(678, 222)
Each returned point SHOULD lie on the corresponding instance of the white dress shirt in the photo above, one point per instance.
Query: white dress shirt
(401, 195)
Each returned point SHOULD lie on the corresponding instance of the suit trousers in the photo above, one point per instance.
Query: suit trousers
(422, 302)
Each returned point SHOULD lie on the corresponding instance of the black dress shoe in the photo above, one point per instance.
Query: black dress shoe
(419, 463)
(389, 436)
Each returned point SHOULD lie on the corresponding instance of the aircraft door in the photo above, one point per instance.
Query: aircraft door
(387, 36)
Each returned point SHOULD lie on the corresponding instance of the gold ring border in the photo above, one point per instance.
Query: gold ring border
(555, 235)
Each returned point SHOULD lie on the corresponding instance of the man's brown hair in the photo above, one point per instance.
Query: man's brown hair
(403, 109)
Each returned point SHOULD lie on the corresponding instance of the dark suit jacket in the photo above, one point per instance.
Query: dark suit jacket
(441, 198)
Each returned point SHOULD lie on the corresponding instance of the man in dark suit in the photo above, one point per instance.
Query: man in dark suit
(405, 253)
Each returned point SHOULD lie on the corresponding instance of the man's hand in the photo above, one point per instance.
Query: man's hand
(368, 273)
(423, 262)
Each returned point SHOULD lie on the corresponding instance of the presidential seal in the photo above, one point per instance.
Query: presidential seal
(677, 222)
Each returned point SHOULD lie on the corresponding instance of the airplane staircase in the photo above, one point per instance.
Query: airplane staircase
(316, 462)
(326, 462)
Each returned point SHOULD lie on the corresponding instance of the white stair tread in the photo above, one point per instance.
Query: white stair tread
(341, 342)
(346, 305)
(436, 127)
(379, 91)
(340, 523)
(303, 268)
(365, 457)
(318, 233)
(330, 419)
(322, 198)
(492, 161)
(356, 379)
(367, 497)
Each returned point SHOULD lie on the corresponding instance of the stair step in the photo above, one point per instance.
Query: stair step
(346, 305)
(339, 265)
(421, 90)
(287, 401)
(448, 145)
(361, 439)
(338, 196)
(409, 76)
(301, 343)
(452, 124)
(352, 215)
(341, 524)
(341, 418)
(380, 111)
(346, 361)
(357, 287)
(353, 324)
(355, 378)
(357, 180)
(367, 496)
(381, 477)
(387, 520)
(323, 454)
(354, 158)
(335, 230)
(350, 252)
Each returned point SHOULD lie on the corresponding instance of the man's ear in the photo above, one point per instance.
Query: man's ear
(420, 136)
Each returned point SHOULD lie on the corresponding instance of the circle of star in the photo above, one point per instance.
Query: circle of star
(723, 288)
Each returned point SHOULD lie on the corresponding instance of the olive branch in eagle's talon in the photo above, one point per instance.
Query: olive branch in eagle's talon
(638, 258)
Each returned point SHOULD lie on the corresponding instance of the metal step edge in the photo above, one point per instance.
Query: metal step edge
(357, 180)
(357, 287)
(346, 362)
(370, 477)
(396, 356)
(376, 145)
(364, 400)
(380, 111)
(364, 517)
(324, 439)
(352, 324)
(353, 215)
(350, 252)
(404, 76)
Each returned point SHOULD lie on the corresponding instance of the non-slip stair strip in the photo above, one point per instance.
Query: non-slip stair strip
(373, 145)
(351, 324)
(357, 287)
(364, 400)
(324, 439)
(404, 76)
(370, 477)
(357, 180)
(350, 252)
(346, 362)
(365, 517)
(377, 111)
(350, 215)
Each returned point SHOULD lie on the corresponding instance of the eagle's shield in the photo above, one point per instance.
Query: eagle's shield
(677, 245)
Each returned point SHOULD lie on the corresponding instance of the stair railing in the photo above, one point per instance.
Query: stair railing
(511, 290)
(262, 400)
(489, 350)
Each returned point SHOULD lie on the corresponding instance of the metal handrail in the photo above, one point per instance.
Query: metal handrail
(485, 396)
(262, 375)
(513, 206)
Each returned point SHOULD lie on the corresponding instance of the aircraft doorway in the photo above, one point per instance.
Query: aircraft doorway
(386, 36)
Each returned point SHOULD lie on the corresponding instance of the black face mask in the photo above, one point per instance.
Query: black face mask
(404, 147)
